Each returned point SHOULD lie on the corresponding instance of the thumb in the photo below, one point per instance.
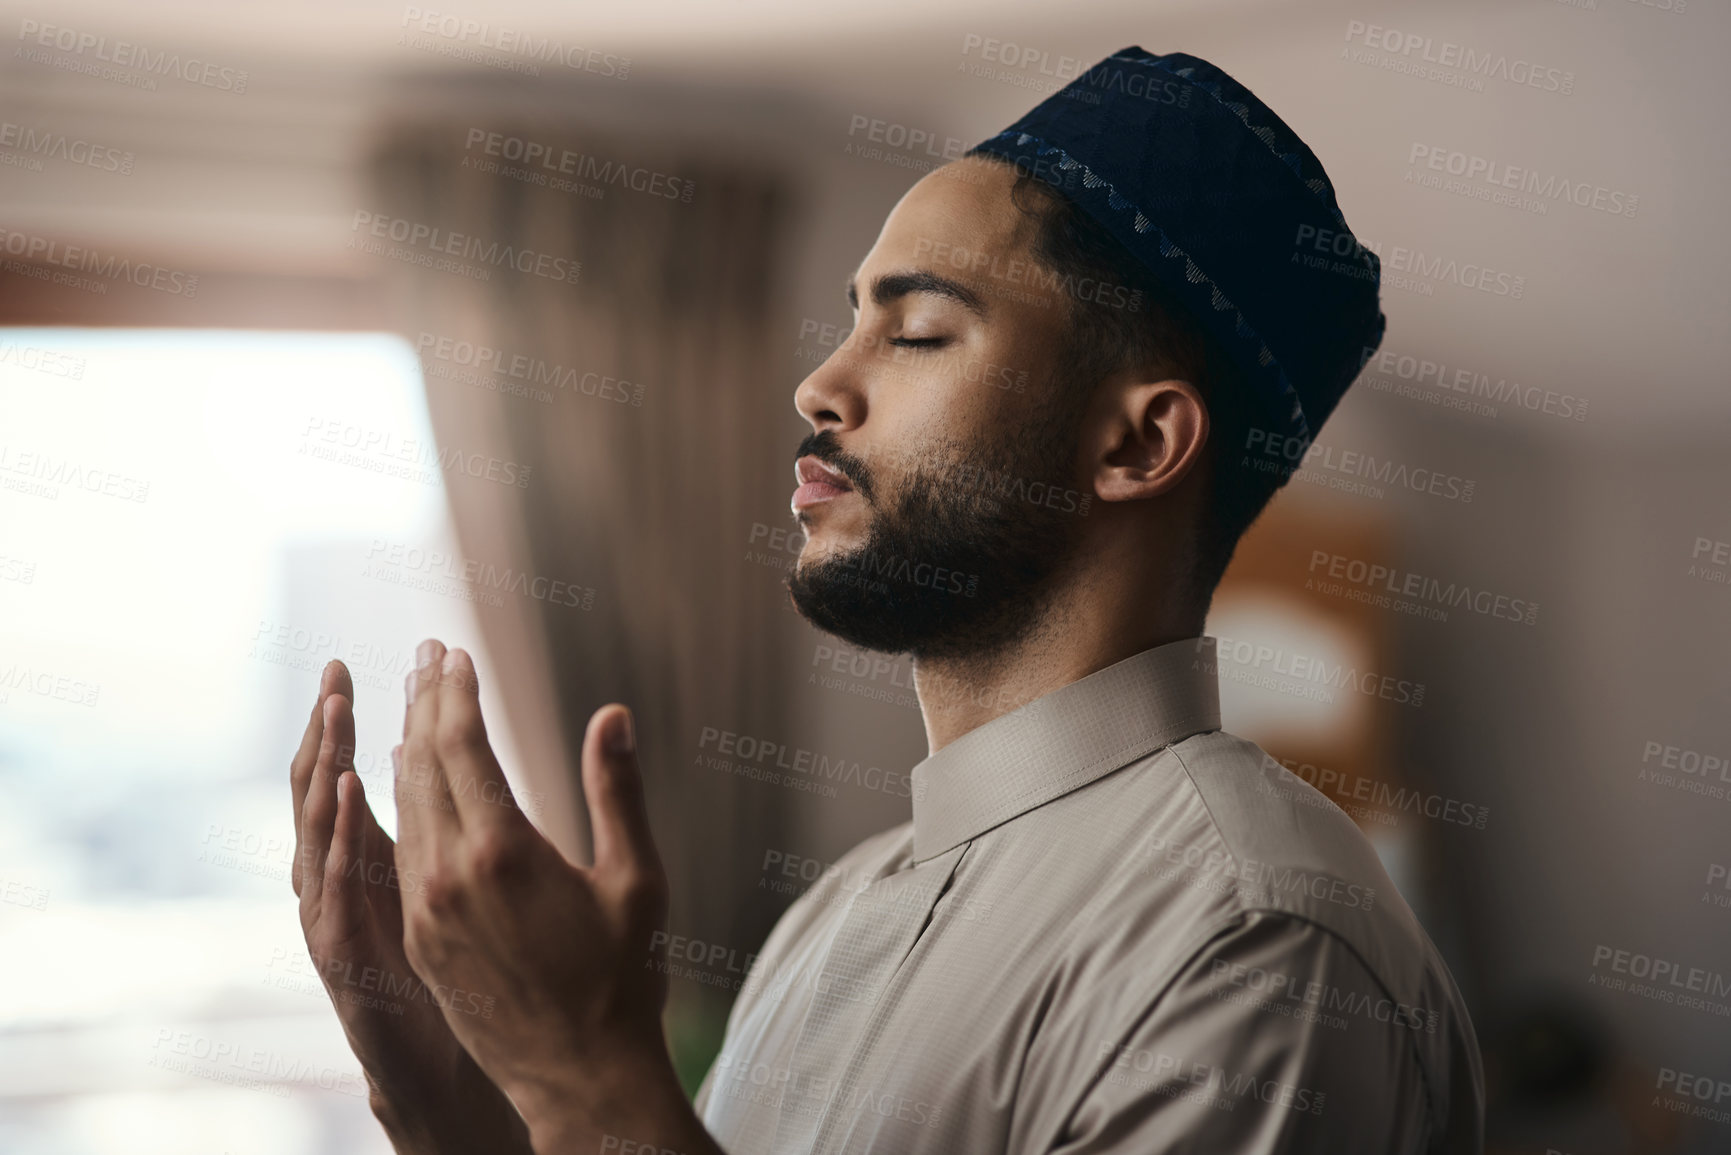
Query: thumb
(613, 786)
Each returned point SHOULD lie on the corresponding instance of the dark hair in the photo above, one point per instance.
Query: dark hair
(1163, 335)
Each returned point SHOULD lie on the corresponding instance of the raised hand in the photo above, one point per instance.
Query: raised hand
(425, 1089)
(561, 955)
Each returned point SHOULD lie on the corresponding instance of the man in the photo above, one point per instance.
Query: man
(1109, 926)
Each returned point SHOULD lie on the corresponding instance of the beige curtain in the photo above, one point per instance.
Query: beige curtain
(649, 504)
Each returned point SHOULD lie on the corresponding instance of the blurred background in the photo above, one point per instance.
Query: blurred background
(328, 327)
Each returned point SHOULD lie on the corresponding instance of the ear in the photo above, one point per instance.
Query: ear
(1145, 438)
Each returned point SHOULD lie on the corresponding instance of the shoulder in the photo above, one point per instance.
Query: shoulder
(1231, 908)
(1274, 1029)
(1274, 843)
(1307, 930)
(1288, 850)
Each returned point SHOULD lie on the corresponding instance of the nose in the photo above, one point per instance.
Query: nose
(832, 397)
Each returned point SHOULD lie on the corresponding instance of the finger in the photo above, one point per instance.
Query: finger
(613, 786)
(376, 845)
(428, 657)
(346, 871)
(334, 679)
(476, 780)
(301, 765)
(319, 811)
(425, 814)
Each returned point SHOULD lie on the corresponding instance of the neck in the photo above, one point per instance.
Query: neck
(1083, 628)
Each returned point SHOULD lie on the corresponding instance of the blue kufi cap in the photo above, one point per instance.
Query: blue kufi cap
(1227, 208)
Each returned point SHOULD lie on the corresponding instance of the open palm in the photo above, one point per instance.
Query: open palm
(425, 1088)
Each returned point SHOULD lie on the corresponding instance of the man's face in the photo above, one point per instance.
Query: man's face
(939, 488)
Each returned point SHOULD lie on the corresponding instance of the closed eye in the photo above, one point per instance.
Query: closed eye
(916, 342)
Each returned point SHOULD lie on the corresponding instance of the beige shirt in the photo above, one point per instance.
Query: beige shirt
(1110, 926)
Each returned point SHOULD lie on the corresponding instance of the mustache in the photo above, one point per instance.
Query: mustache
(826, 447)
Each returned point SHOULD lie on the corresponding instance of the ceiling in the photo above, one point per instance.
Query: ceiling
(270, 177)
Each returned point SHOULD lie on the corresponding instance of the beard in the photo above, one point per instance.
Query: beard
(959, 560)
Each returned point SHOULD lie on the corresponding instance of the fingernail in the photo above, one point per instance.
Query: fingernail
(411, 683)
(424, 652)
(450, 666)
(621, 737)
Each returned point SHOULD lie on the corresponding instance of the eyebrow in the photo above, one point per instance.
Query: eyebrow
(895, 286)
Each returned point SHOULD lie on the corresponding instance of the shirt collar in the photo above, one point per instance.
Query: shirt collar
(1062, 741)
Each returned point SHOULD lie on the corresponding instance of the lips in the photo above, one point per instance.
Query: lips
(817, 483)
